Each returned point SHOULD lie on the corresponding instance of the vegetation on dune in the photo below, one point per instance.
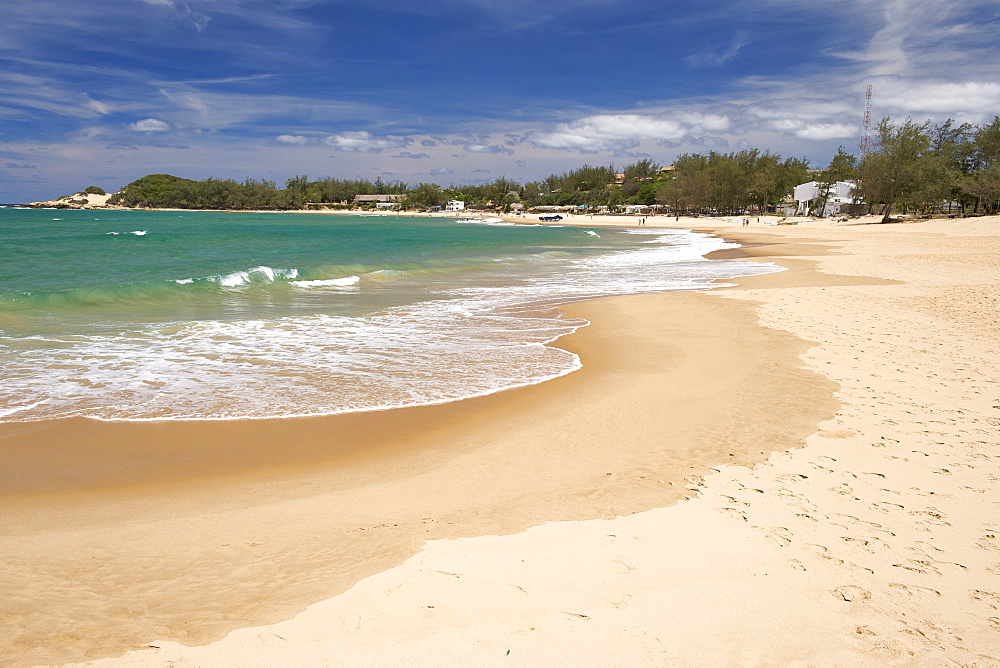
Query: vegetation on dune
(167, 191)
(909, 167)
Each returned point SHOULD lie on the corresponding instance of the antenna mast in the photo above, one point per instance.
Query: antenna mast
(866, 137)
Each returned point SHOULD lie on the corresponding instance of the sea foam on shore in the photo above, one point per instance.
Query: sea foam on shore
(345, 315)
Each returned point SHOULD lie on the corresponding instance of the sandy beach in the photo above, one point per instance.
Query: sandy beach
(796, 470)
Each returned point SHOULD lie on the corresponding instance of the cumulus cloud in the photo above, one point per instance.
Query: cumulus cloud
(407, 154)
(441, 171)
(365, 142)
(150, 125)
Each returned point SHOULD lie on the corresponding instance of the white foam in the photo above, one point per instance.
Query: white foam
(235, 279)
(470, 340)
(329, 282)
(262, 274)
(7, 412)
(499, 222)
(139, 233)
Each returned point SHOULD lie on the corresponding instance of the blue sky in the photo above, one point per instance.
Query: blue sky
(457, 91)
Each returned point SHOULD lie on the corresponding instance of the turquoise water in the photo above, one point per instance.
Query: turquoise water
(206, 315)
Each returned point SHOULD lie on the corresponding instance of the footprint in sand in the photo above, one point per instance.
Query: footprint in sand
(887, 507)
(990, 598)
(931, 516)
(621, 602)
(780, 536)
(914, 590)
(822, 551)
(850, 593)
(621, 568)
(735, 501)
(989, 542)
(735, 513)
(922, 567)
(869, 545)
(845, 490)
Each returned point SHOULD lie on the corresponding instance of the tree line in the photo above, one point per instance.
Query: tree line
(908, 167)
(923, 168)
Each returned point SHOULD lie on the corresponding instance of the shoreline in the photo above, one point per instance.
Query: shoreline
(405, 474)
(797, 551)
(76, 457)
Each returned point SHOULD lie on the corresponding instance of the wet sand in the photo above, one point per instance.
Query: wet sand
(797, 470)
(119, 534)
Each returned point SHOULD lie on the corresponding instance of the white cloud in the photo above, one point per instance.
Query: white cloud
(188, 99)
(488, 148)
(939, 97)
(924, 37)
(718, 57)
(365, 142)
(99, 107)
(150, 125)
(620, 132)
(825, 131)
(294, 140)
(441, 171)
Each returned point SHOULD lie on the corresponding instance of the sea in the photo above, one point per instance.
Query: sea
(199, 315)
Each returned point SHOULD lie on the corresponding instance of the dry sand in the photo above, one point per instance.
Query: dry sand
(841, 506)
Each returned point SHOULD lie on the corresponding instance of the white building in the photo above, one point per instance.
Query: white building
(838, 196)
(454, 205)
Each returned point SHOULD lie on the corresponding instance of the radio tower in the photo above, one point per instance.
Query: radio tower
(866, 137)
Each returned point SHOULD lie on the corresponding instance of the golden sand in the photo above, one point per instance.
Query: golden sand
(695, 494)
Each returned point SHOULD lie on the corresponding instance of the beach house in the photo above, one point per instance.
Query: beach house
(824, 199)
(380, 201)
(454, 205)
